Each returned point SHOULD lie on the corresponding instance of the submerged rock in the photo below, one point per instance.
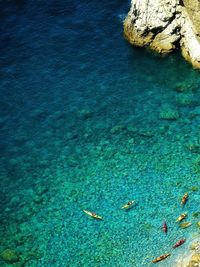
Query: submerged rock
(194, 148)
(169, 114)
(196, 164)
(117, 129)
(9, 256)
(85, 114)
(182, 87)
(195, 188)
(165, 25)
(185, 87)
(185, 100)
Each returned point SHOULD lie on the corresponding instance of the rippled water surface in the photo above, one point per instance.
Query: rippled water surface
(89, 122)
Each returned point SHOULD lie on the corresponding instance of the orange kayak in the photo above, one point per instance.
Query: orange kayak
(162, 257)
(93, 215)
(184, 198)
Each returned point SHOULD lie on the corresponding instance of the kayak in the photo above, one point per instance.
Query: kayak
(179, 243)
(185, 225)
(181, 217)
(128, 205)
(93, 215)
(164, 227)
(184, 198)
(162, 257)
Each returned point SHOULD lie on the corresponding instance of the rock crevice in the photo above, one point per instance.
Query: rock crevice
(166, 25)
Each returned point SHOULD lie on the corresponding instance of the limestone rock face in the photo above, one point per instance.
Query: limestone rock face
(165, 25)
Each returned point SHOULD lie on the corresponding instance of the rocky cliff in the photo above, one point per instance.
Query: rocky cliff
(166, 25)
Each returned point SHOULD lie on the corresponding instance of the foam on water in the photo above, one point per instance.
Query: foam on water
(89, 122)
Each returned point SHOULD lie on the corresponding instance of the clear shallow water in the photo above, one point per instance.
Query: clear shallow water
(82, 127)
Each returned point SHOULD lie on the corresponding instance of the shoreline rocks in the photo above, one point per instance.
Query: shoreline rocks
(164, 26)
(192, 259)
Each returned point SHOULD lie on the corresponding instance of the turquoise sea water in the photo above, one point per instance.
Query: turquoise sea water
(89, 122)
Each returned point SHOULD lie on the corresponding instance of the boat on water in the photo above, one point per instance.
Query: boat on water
(160, 258)
(179, 243)
(181, 217)
(184, 199)
(164, 227)
(92, 214)
(128, 205)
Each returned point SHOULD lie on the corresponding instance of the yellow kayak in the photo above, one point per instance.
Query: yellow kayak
(93, 215)
(128, 205)
(185, 225)
(181, 217)
(162, 257)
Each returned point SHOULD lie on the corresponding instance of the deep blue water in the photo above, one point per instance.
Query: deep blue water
(82, 128)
